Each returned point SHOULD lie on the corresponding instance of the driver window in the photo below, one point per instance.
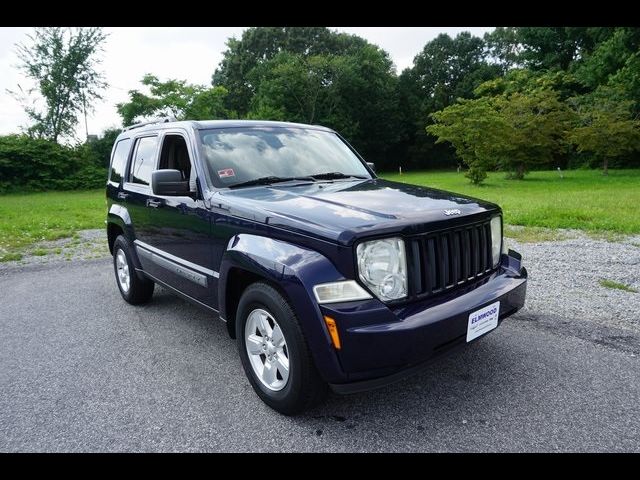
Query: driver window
(175, 156)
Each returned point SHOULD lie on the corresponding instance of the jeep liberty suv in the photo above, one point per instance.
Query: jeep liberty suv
(326, 275)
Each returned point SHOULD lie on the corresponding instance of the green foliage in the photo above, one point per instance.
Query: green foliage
(608, 57)
(606, 126)
(100, 148)
(627, 80)
(514, 131)
(547, 48)
(301, 89)
(261, 44)
(582, 88)
(314, 75)
(28, 163)
(504, 47)
(62, 62)
(473, 127)
(519, 99)
(476, 174)
(446, 69)
(536, 127)
(522, 80)
(175, 98)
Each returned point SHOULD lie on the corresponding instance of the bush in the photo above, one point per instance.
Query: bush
(476, 174)
(35, 164)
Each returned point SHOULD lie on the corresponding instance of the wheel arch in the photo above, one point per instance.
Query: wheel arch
(238, 279)
(293, 271)
(119, 223)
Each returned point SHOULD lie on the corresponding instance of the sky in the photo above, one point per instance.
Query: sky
(185, 53)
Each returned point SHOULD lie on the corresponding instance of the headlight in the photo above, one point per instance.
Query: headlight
(346, 291)
(382, 266)
(496, 239)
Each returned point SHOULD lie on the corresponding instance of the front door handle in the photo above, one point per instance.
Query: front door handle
(122, 195)
(154, 203)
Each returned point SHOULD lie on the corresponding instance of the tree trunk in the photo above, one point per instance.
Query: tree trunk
(605, 166)
(520, 172)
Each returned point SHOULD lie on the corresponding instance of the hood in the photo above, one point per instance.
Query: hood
(343, 211)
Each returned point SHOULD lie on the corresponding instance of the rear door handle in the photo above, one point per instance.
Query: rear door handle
(122, 195)
(154, 203)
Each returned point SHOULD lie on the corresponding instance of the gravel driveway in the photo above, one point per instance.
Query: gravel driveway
(563, 275)
(80, 370)
(564, 291)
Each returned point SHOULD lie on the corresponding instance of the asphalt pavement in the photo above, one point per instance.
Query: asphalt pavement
(81, 370)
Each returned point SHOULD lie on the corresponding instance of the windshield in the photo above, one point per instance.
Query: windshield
(241, 155)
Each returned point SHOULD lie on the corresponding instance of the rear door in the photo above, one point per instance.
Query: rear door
(137, 187)
(117, 172)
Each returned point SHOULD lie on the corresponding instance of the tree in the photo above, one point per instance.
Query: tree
(608, 57)
(627, 81)
(175, 98)
(297, 88)
(450, 68)
(614, 63)
(504, 47)
(513, 131)
(62, 62)
(261, 44)
(446, 69)
(606, 128)
(523, 80)
(474, 128)
(354, 94)
(537, 125)
(557, 48)
(100, 147)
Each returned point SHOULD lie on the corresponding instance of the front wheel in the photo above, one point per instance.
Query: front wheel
(274, 352)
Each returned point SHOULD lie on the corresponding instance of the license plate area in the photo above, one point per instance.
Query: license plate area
(482, 321)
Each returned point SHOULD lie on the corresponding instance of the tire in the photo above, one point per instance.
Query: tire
(303, 387)
(135, 291)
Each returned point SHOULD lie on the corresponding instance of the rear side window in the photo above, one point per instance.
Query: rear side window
(144, 160)
(119, 160)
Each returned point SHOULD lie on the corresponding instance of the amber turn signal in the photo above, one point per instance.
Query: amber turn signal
(333, 331)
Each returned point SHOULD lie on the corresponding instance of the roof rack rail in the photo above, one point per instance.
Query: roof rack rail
(150, 122)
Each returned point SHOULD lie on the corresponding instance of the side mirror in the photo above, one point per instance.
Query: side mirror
(169, 182)
(372, 166)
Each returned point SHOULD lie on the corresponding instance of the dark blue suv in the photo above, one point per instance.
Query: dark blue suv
(326, 275)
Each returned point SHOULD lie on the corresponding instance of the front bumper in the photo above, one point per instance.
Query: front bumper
(381, 345)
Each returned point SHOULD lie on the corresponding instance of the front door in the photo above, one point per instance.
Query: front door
(175, 246)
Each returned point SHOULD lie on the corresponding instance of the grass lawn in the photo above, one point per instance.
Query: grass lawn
(26, 218)
(583, 199)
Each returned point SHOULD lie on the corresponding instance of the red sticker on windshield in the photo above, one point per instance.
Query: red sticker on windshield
(227, 172)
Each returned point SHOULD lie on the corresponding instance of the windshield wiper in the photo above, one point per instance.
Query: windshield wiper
(269, 180)
(335, 176)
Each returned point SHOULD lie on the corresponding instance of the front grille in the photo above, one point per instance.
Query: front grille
(453, 257)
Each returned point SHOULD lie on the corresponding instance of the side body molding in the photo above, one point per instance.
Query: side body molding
(295, 270)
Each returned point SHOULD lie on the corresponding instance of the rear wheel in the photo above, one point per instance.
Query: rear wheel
(134, 290)
(274, 352)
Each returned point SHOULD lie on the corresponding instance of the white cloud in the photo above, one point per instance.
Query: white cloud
(191, 54)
